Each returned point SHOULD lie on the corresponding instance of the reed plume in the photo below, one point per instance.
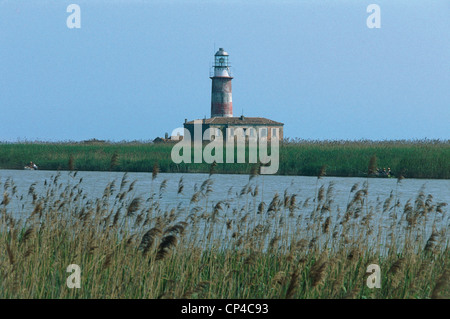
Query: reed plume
(148, 239)
(114, 161)
(155, 171)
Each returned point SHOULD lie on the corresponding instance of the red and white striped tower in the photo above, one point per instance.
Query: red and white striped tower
(221, 102)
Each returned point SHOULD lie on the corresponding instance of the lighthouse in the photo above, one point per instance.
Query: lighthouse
(221, 102)
(222, 123)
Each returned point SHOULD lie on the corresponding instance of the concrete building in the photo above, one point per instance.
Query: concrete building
(222, 121)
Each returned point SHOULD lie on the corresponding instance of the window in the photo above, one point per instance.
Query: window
(274, 132)
(252, 132)
(263, 132)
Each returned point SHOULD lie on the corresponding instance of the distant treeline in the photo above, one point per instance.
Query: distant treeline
(410, 158)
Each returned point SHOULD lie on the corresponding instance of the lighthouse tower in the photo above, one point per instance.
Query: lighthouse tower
(221, 102)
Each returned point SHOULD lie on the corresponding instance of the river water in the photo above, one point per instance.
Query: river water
(94, 184)
(229, 186)
(229, 189)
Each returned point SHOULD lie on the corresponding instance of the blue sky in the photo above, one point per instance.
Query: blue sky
(137, 69)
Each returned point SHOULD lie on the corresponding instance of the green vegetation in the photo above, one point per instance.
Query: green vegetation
(131, 247)
(413, 159)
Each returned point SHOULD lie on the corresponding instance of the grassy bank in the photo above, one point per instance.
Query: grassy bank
(413, 159)
(131, 247)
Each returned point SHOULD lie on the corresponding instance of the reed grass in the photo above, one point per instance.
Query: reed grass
(413, 159)
(238, 247)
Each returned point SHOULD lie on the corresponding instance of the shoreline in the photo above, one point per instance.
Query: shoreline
(220, 173)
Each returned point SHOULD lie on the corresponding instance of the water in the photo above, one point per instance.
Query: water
(226, 188)
(94, 184)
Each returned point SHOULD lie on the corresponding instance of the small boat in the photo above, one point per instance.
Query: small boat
(381, 173)
(31, 167)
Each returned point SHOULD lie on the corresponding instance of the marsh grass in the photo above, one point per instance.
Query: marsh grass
(412, 158)
(238, 247)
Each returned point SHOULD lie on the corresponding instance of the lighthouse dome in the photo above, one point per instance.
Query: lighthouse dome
(221, 52)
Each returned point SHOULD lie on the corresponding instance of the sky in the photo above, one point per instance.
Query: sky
(137, 69)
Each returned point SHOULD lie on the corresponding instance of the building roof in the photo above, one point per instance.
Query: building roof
(242, 120)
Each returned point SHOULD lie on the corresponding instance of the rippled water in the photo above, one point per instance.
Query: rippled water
(229, 185)
(229, 188)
